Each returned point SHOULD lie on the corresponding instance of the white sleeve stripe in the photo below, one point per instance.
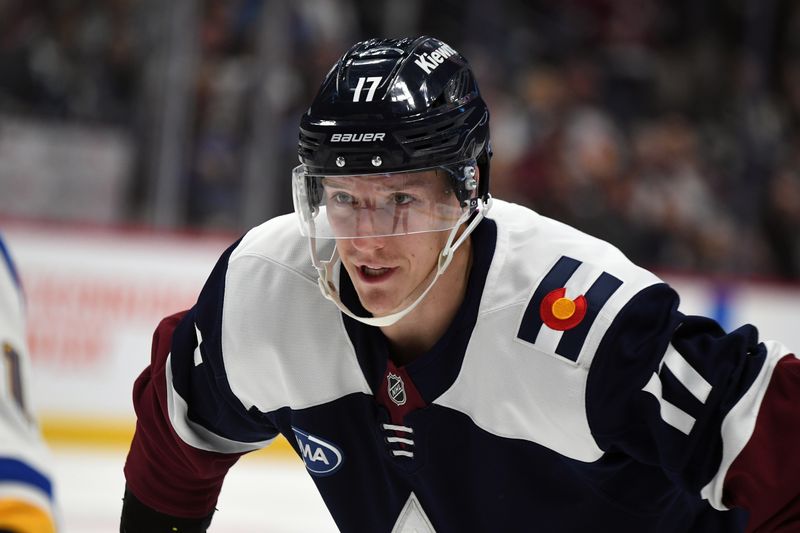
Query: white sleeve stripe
(13, 490)
(198, 335)
(686, 374)
(581, 280)
(198, 355)
(196, 435)
(739, 423)
(671, 414)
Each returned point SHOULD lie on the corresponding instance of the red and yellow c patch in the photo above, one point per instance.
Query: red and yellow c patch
(559, 312)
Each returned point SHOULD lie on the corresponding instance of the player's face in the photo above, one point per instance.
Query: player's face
(391, 272)
(389, 204)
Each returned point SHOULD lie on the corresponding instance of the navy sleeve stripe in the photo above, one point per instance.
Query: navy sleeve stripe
(596, 297)
(557, 277)
(573, 339)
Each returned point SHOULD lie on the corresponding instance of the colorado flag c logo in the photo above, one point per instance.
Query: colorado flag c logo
(561, 313)
(559, 324)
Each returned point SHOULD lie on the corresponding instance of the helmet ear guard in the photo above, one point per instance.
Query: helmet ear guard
(483, 165)
(464, 180)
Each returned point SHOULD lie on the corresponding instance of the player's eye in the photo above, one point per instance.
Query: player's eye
(402, 198)
(343, 199)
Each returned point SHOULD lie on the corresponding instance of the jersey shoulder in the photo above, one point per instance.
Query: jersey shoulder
(278, 241)
(539, 261)
(272, 309)
(550, 296)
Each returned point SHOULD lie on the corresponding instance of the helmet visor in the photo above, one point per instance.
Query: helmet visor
(376, 205)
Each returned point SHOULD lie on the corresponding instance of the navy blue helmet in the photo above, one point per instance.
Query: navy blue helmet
(393, 105)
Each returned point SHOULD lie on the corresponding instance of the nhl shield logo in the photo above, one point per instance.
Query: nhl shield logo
(397, 389)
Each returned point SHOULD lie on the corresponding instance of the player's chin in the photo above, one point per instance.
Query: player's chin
(378, 302)
(377, 307)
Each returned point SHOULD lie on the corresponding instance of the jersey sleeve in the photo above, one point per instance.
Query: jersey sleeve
(191, 428)
(717, 411)
(26, 486)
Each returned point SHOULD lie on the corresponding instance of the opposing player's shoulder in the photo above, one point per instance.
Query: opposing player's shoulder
(12, 312)
(7, 268)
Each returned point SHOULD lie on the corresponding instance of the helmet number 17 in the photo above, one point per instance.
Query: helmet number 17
(374, 81)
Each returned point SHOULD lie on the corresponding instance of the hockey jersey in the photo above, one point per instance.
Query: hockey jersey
(26, 486)
(568, 394)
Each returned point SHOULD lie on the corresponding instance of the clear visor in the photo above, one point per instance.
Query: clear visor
(376, 205)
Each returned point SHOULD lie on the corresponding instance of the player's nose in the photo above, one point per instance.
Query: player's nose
(368, 222)
(365, 244)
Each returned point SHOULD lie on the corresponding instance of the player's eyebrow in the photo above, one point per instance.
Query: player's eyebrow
(413, 179)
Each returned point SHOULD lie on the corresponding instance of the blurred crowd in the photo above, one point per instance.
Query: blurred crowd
(669, 127)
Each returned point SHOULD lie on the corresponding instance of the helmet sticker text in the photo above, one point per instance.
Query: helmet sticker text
(357, 137)
(374, 81)
(429, 62)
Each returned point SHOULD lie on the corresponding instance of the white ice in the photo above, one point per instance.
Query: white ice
(261, 494)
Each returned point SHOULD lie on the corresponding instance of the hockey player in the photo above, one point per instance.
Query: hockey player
(26, 486)
(478, 367)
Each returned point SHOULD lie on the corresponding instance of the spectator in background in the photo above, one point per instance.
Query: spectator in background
(782, 215)
(26, 486)
(672, 201)
(607, 78)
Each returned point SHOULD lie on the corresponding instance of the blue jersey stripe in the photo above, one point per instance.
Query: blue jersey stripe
(596, 297)
(557, 277)
(9, 262)
(17, 471)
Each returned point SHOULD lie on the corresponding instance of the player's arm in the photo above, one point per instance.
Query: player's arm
(167, 479)
(761, 437)
(190, 427)
(718, 412)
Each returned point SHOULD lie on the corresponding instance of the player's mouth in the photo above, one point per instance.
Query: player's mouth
(374, 274)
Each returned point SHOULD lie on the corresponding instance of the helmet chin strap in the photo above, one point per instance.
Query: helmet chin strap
(329, 291)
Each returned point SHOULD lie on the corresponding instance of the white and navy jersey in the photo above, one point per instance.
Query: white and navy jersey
(568, 394)
(26, 487)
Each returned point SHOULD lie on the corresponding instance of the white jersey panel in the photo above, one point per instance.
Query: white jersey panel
(518, 389)
(267, 314)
